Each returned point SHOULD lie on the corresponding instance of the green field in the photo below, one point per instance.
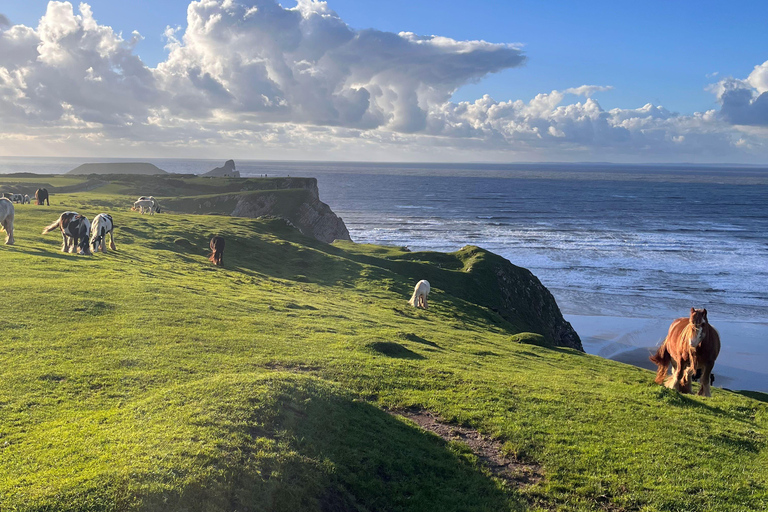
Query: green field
(148, 379)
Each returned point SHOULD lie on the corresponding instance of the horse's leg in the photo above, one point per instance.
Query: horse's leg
(64, 245)
(685, 383)
(705, 390)
(7, 226)
(112, 241)
(677, 375)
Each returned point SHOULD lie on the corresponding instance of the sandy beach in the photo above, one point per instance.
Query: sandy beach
(632, 340)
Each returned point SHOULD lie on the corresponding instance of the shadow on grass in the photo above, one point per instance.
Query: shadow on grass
(418, 339)
(755, 395)
(693, 401)
(307, 447)
(392, 349)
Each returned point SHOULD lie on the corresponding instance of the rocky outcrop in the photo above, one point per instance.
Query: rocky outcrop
(514, 293)
(226, 171)
(304, 210)
(522, 293)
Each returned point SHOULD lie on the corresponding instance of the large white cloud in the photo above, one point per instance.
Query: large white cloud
(745, 102)
(257, 75)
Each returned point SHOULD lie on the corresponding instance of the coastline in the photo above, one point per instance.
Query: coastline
(741, 365)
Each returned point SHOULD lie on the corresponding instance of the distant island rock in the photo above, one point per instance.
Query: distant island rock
(118, 168)
(227, 171)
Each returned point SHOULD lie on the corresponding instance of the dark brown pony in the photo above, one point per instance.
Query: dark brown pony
(41, 196)
(217, 250)
(692, 344)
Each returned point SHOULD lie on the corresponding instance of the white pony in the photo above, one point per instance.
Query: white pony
(154, 208)
(143, 205)
(17, 198)
(6, 219)
(101, 226)
(420, 292)
(27, 200)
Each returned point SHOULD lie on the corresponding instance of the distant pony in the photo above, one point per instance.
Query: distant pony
(17, 198)
(75, 228)
(101, 226)
(155, 207)
(26, 199)
(692, 345)
(6, 219)
(217, 250)
(420, 292)
(144, 205)
(41, 196)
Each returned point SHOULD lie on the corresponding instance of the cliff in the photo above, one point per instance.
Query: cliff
(296, 200)
(118, 168)
(309, 214)
(513, 293)
(226, 171)
(518, 296)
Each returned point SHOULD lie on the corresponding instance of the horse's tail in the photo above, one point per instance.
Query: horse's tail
(414, 298)
(53, 226)
(217, 250)
(661, 359)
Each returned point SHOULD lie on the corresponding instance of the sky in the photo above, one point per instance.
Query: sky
(450, 80)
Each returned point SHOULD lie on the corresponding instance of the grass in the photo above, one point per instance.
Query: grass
(147, 379)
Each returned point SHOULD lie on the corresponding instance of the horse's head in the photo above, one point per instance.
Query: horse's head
(698, 324)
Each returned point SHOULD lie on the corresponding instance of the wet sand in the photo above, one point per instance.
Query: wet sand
(743, 360)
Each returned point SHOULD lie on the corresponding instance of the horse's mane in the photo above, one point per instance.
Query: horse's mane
(688, 332)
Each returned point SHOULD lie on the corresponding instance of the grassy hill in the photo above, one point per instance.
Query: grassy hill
(147, 379)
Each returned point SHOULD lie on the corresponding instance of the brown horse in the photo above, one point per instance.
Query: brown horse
(41, 196)
(217, 250)
(692, 344)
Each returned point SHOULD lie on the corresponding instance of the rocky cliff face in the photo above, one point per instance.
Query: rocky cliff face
(514, 293)
(310, 215)
(519, 286)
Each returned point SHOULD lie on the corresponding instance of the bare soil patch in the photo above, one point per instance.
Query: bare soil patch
(516, 473)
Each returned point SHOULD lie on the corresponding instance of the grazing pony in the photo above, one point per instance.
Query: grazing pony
(692, 344)
(41, 196)
(143, 205)
(420, 292)
(74, 227)
(217, 251)
(155, 205)
(26, 199)
(17, 198)
(101, 226)
(6, 219)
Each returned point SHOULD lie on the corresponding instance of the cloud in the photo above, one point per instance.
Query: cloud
(240, 77)
(745, 102)
(305, 65)
(69, 72)
(588, 90)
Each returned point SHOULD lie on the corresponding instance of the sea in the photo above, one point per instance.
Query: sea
(624, 249)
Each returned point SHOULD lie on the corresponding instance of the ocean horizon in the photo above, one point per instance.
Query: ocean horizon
(624, 248)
